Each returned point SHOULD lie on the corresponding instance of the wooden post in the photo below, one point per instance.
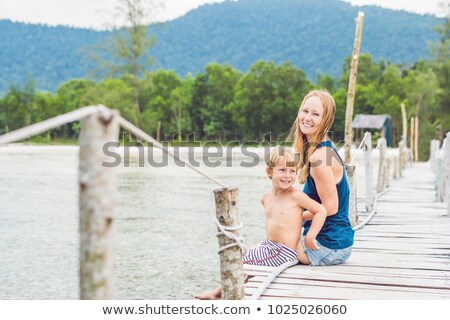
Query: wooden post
(353, 210)
(97, 198)
(158, 131)
(434, 148)
(416, 140)
(231, 269)
(405, 122)
(396, 168)
(439, 181)
(368, 171)
(387, 175)
(401, 158)
(411, 137)
(351, 87)
(403, 146)
(440, 172)
(381, 166)
(446, 171)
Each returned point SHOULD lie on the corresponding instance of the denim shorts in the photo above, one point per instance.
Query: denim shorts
(327, 257)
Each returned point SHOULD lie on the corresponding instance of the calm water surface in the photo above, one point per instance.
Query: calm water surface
(166, 244)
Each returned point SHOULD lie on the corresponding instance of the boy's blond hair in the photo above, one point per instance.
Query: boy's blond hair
(281, 152)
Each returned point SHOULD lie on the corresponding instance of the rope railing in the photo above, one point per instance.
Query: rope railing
(104, 113)
(100, 125)
(144, 136)
(440, 164)
(359, 148)
(384, 173)
(52, 123)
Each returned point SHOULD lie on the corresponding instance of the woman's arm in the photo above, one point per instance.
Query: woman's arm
(322, 173)
(319, 215)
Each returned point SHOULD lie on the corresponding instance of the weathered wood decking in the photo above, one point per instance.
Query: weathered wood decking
(403, 253)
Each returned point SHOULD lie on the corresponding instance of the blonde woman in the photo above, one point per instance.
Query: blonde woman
(322, 171)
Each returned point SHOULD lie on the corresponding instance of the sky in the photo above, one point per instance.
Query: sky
(97, 13)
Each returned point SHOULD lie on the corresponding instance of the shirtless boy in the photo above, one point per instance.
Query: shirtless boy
(283, 206)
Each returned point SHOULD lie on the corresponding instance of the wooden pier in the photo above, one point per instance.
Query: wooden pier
(403, 253)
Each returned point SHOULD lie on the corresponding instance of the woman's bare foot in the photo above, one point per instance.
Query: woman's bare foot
(210, 295)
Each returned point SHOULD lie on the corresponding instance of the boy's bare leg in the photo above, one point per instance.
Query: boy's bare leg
(301, 254)
(210, 295)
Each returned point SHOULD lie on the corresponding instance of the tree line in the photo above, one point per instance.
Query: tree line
(223, 103)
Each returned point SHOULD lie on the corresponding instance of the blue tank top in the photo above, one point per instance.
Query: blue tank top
(337, 232)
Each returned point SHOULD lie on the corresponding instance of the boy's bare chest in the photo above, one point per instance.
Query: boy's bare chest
(281, 208)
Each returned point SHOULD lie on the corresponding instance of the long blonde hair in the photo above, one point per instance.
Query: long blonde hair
(302, 146)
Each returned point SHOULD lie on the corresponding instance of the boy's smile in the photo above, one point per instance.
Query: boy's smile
(283, 177)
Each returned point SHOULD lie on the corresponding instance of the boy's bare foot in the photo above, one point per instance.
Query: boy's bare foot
(210, 295)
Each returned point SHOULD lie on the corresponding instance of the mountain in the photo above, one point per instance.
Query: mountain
(314, 35)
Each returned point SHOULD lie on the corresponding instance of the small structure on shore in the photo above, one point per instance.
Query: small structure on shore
(381, 122)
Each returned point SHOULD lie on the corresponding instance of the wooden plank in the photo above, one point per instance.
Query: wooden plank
(329, 290)
(404, 253)
(381, 279)
(353, 269)
(306, 283)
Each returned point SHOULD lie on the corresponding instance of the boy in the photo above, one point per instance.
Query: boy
(283, 206)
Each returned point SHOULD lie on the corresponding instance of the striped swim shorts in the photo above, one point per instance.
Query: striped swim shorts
(269, 254)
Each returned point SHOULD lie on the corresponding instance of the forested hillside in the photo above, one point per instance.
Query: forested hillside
(313, 35)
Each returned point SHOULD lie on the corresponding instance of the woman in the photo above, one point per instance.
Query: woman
(322, 171)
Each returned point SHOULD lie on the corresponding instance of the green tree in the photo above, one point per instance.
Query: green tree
(180, 100)
(327, 82)
(368, 70)
(127, 50)
(71, 93)
(46, 106)
(267, 99)
(441, 54)
(115, 94)
(158, 88)
(221, 81)
(18, 106)
(69, 97)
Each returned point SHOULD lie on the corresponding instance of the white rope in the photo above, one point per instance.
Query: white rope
(224, 230)
(142, 135)
(263, 286)
(79, 114)
(379, 144)
(359, 148)
(40, 127)
(237, 241)
(441, 151)
(373, 212)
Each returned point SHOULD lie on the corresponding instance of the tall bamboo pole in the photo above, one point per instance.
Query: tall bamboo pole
(403, 146)
(97, 196)
(158, 131)
(416, 140)
(351, 86)
(447, 172)
(405, 122)
(411, 138)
